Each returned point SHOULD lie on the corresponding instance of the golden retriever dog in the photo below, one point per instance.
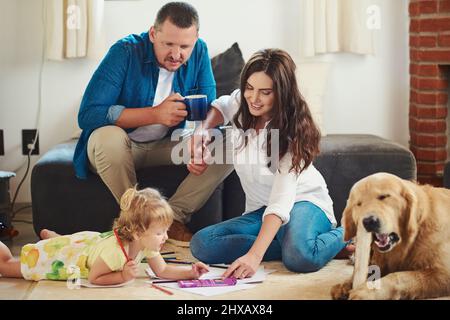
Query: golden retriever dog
(410, 228)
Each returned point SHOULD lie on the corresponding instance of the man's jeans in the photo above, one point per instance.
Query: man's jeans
(305, 244)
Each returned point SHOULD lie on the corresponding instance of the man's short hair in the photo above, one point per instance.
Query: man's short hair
(181, 14)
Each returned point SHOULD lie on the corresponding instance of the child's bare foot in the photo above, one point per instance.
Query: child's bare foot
(47, 234)
(346, 252)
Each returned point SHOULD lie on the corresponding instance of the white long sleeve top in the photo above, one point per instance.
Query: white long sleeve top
(277, 191)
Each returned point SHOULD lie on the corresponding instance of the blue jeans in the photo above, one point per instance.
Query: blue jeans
(305, 244)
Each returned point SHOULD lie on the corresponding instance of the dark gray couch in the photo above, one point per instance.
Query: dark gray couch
(447, 175)
(66, 204)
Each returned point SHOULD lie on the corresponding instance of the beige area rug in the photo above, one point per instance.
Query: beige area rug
(280, 285)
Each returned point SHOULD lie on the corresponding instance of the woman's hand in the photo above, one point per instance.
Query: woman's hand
(199, 152)
(130, 271)
(247, 265)
(198, 269)
(244, 267)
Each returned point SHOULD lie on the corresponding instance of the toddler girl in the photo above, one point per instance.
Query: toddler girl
(105, 258)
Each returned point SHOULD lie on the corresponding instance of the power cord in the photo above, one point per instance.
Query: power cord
(20, 185)
(31, 146)
(23, 221)
(21, 209)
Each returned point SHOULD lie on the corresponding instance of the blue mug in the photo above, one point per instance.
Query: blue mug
(196, 107)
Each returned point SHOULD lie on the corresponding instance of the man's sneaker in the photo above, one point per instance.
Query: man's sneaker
(179, 232)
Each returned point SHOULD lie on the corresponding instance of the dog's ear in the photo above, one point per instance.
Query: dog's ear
(411, 215)
(348, 223)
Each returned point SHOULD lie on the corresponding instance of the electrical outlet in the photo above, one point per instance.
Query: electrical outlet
(2, 144)
(28, 136)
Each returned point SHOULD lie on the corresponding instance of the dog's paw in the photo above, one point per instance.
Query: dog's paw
(341, 291)
(363, 293)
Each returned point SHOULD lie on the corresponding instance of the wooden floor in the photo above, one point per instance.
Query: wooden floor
(17, 288)
(26, 232)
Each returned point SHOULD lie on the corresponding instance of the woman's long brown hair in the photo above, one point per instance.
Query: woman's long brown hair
(290, 114)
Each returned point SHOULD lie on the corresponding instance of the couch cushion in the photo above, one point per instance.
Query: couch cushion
(67, 204)
(227, 68)
(345, 159)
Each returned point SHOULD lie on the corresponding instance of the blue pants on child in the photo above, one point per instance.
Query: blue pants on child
(305, 244)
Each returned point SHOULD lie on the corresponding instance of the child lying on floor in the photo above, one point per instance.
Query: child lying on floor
(104, 258)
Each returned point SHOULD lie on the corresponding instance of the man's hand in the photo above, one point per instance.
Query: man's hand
(130, 271)
(171, 111)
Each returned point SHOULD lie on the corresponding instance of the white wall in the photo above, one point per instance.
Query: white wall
(364, 94)
(370, 94)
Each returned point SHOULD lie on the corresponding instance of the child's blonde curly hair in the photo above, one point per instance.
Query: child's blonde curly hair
(140, 208)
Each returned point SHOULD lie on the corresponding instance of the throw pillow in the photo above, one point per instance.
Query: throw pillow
(227, 68)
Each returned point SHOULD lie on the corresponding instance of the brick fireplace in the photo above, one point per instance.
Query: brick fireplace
(429, 44)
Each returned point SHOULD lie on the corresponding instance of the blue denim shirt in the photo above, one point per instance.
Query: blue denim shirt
(127, 78)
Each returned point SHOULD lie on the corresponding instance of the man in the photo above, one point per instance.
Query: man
(132, 104)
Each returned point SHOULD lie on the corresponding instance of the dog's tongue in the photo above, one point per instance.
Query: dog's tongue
(382, 239)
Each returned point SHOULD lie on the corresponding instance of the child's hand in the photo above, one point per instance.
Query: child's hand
(130, 271)
(198, 269)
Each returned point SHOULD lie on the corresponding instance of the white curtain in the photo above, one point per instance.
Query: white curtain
(335, 26)
(74, 29)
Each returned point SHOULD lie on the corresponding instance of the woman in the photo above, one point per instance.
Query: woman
(289, 213)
